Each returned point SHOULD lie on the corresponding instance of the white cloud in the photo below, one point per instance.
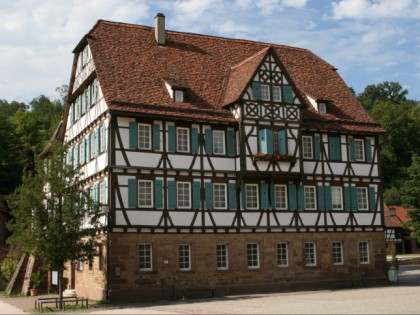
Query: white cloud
(375, 9)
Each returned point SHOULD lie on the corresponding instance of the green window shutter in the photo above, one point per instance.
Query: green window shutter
(232, 196)
(230, 140)
(335, 148)
(158, 193)
(347, 198)
(87, 148)
(171, 138)
(328, 200)
(76, 155)
(77, 109)
(243, 196)
(317, 145)
(156, 137)
(98, 138)
(209, 195)
(70, 157)
(282, 141)
(256, 90)
(95, 192)
(264, 196)
(372, 199)
(103, 138)
(71, 113)
(321, 198)
(171, 194)
(132, 193)
(287, 93)
(133, 135)
(368, 150)
(265, 139)
(196, 195)
(83, 150)
(301, 198)
(94, 91)
(292, 197)
(351, 149)
(354, 205)
(194, 140)
(89, 99)
(208, 134)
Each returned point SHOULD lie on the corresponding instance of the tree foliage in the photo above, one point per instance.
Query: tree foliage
(53, 218)
(386, 91)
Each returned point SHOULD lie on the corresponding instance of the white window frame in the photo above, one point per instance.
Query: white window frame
(103, 192)
(144, 136)
(364, 252)
(310, 253)
(336, 198)
(310, 199)
(219, 196)
(307, 147)
(142, 195)
(337, 253)
(251, 196)
(180, 196)
(182, 139)
(219, 142)
(184, 257)
(362, 198)
(178, 95)
(322, 108)
(222, 257)
(276, 93)
(265, 92)
(282, 254)
(253, 255)
(145, 251)
(359, 149)
(280, 196)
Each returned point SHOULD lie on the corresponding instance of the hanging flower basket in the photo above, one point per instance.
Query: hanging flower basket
(274, 157)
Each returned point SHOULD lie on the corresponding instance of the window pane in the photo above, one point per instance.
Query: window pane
(145, 257)
(251, 196)
(253, 256)
(183, 140)
(337, 253)
(276, 94)
(307, 147)
(265, 92)
(310, 255)
(359, 152)
(281, 197)
(337, 198)
(222, 257)
(363, 252)
(184, 257)
(145, 193)
(144, 136)
(362, 202)
(218, 142)
(219, 193)
(183, 195)
(310, 201)
(282, 255)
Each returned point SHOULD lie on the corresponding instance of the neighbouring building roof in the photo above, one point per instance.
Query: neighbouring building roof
(395, 218)
(214, 72)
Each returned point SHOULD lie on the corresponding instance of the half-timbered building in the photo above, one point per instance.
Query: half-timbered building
(224, 165)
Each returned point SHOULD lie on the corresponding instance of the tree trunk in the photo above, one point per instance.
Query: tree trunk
(60, 289)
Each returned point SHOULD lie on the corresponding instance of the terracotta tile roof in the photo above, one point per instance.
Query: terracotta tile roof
(396, 220)
(213, 71)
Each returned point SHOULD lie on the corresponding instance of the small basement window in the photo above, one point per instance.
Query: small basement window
(178, 95)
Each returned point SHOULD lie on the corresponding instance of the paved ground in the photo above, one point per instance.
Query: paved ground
(401, 298)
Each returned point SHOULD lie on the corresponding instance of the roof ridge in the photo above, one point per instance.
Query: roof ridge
(264, 50)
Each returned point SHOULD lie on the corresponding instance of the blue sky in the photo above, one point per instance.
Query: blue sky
(369, 41)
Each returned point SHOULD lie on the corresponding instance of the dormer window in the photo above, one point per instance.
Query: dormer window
(322, 108)
(178, 95)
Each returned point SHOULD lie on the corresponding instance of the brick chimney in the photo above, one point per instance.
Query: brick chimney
(160, 29)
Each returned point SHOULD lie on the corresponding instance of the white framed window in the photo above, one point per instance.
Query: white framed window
(364, 252)
(92, 144)
(219, 196)
(310, 197)
(276, 93)
(337, 198)
(310, 254)
(184, 255)
(362, 198)
(145, 189)
(282, 255)
(145, 137)
(145, 257)
(337, 253)
(265, 92)
(103, 192)
(280, 194)
(251, 193)
(253, 255)
(222, 257)
(178, 95)
(218, 142)
(359, 150)
(307, 147)
(82, 153)
(322, 108)
(183, 195)
(183, 139)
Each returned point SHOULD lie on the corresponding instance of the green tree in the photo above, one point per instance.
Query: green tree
(53, 218)
(386, 91)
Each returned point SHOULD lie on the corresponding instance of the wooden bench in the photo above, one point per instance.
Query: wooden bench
(39, 303)
(199, 292)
